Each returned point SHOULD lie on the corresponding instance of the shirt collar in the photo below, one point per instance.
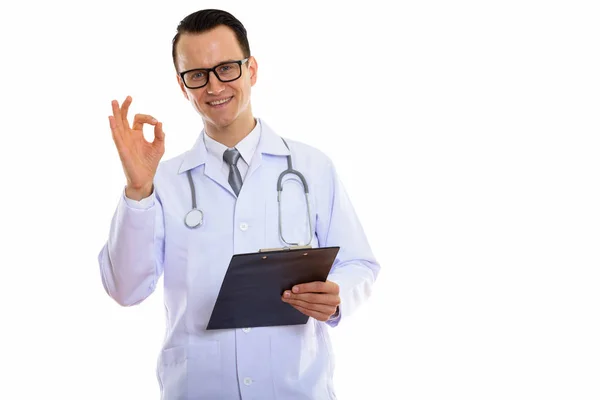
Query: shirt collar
(267, 142)
(246, 146)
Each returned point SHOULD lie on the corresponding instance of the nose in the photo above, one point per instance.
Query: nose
(214, 86)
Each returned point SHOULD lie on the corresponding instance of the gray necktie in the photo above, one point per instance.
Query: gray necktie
(231, 157)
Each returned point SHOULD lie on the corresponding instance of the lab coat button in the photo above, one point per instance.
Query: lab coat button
(246, 330)
(244, 226)
(247, 381)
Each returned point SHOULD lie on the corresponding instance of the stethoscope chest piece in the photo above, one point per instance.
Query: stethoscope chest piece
(194, 218)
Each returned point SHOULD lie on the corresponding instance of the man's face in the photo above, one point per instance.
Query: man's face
(206, 50)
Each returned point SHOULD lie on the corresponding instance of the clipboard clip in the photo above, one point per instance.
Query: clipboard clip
(284, 248)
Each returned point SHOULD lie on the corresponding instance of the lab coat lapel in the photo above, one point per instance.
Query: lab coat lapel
(197, 156)
(269, 143)
(213, 171)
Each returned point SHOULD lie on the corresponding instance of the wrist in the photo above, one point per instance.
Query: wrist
(138, 193)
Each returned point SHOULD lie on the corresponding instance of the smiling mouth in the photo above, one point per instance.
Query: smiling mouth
(220, 102)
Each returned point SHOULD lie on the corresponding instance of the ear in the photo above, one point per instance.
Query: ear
(253, 69)
(182, 87)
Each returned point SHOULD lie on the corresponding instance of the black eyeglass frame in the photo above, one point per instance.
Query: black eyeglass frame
(214, 71)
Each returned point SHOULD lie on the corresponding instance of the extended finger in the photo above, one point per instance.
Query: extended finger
(117, 115)
(140, 119)
(125, 110)
(113, 128)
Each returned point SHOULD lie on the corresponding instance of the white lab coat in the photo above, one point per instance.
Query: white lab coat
(150, 239)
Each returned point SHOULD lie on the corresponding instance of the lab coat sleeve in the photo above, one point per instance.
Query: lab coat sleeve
(355, 267)
(131, 261)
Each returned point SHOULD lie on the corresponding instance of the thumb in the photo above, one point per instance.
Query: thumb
(159, 135)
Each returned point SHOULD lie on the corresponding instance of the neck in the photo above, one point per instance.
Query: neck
(232, 134)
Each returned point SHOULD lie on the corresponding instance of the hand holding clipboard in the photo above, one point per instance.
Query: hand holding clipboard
(319, 300)
(253, 286)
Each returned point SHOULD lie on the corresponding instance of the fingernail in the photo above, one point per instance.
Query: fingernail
(154, 120)
(286, 294)
(295, 289)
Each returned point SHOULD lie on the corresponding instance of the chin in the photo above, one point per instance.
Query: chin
(220, 122)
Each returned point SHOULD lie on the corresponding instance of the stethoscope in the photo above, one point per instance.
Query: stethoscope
(195, 217)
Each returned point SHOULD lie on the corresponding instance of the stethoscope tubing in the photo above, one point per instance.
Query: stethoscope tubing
(197, 214)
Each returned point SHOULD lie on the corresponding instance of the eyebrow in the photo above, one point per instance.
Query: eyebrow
(219, 63)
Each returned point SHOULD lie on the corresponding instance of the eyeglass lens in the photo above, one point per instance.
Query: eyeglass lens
(225, 72)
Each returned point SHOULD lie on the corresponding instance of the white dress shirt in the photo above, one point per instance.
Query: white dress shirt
(246, 147)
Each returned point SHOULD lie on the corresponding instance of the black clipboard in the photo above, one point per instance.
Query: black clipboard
(250, 295)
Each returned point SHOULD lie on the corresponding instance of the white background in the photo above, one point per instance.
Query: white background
(466, 132)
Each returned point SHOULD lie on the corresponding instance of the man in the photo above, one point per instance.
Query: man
(231, 174)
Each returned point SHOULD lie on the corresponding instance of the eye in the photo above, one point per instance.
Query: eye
(196, 75)
(225, 68)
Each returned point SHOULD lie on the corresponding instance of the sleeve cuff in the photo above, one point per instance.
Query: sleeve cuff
(143, 204)
(335, 318)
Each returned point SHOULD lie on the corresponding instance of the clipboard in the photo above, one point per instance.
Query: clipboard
(250, 295)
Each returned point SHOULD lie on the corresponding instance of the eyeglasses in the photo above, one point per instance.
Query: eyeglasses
(225, 72)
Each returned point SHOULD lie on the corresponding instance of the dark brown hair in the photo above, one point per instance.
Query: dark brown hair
(205, 20)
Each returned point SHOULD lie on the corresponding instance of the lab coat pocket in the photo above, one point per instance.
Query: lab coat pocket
(191, 372)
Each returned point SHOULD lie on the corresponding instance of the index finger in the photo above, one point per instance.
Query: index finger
(317, 287)
(140, 119)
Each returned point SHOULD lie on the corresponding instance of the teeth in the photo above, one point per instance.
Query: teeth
(216, 103)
